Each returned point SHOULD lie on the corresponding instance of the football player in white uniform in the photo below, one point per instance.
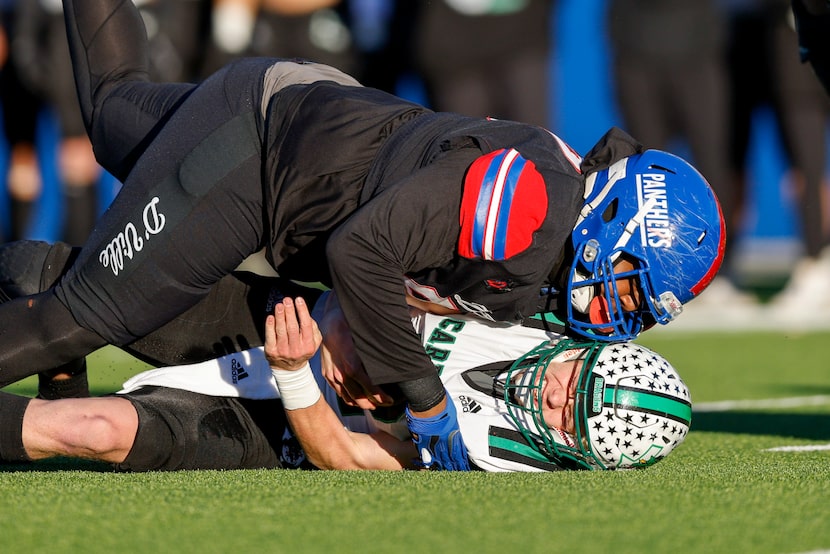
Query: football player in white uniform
(525, 399)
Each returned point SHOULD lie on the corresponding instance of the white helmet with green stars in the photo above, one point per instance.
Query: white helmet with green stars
(631, 408)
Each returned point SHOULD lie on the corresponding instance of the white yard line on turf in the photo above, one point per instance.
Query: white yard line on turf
(802, 448)
(792, 402)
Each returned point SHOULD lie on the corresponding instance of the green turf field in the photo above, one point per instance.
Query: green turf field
(754, 478)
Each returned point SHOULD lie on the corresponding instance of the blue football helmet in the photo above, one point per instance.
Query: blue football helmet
(630, 406)
(657, 212)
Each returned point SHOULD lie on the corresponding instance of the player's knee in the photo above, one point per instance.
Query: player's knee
(105, 436)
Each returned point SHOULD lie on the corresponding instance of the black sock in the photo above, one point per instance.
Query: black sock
(12, 408)
(76, 386)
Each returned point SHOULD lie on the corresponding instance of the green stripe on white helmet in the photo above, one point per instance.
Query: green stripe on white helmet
(631, 408)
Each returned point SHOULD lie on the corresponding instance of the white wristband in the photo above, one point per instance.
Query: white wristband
(298, 389)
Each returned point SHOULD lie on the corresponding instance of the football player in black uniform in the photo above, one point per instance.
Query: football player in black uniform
(381, 198)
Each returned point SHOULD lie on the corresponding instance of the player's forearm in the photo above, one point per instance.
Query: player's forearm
(369, 257)
(291, 338)
(329, 445)
(373, 302)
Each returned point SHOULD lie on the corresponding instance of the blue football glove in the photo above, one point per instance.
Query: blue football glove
(438, 440)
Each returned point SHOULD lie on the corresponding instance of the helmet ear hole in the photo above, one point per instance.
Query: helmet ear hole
(611, 211)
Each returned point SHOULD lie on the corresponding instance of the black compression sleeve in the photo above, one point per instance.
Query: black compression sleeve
(424, 393)
(409, 227)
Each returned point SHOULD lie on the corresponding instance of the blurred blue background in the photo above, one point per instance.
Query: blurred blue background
(583, 108)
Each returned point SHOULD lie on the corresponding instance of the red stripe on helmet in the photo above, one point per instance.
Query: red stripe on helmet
(715, 267)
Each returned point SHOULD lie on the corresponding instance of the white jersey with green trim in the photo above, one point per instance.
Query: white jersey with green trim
(467, 351)
(472, 356)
